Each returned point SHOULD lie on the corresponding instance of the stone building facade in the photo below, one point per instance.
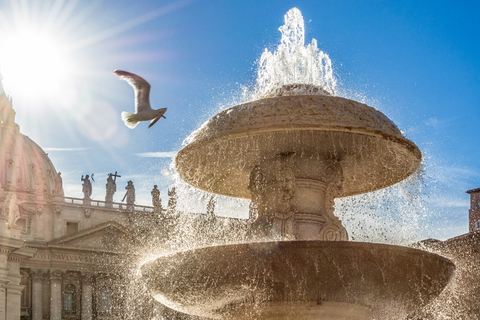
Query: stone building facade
(460, 299)
(60, 257)
(474, 212)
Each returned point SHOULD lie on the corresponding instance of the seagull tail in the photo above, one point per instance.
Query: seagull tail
(129, 119)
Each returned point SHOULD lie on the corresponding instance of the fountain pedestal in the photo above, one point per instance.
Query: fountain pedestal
(294, 197)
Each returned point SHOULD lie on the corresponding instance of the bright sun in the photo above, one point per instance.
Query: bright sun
(33, 63)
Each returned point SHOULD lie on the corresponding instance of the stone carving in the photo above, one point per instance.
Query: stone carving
(257, 184)
(59, 185)
(86, 187)
(334, 180)
(110, 238)
(56, 276)
(38, 275)
(10, 172)
(58, 210)
(87, 212)
(172, 199)
(13, 210)
(111, 188)
(87, 278)
(7, 114)
(156, 201)
(2, 192)
(130, 195)
(286, 178)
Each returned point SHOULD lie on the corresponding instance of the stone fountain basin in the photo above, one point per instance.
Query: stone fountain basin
(298, 279)
(371, 150)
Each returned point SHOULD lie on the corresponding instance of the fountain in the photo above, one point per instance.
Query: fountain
(292, 151)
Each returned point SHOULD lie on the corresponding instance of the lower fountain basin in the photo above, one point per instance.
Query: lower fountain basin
(298, 279)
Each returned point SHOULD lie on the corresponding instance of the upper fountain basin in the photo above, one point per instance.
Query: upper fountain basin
(369, 147)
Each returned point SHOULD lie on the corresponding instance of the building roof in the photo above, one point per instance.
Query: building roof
(28, 168)
(473, 190)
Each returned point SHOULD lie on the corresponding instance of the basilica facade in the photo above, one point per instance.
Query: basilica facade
(60, 257)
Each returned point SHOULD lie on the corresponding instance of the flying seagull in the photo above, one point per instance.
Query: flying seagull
(143, 111)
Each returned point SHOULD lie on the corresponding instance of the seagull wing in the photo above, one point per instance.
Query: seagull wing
(141, 88)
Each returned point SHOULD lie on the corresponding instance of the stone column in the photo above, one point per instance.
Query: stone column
(46, 296)
(86, 296)
(3, 299)
(55, 295)
(14, 294)
(37, 294)
(3, 274)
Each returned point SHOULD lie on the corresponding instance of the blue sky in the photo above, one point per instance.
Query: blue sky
(416, 61)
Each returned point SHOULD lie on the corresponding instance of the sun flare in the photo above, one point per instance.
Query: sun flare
(33, 62)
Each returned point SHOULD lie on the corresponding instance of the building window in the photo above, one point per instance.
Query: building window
(105, 300)
(72, 228)
(477, 225)
(69, 299)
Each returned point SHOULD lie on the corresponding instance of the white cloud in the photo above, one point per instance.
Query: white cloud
(166, 154)
(446, 200)
(437, 123)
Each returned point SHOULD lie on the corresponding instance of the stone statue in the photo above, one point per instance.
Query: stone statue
(86, 187)
(59, 185)
(111, 187)
(130, 195)
(13, 210)
(172, 199)
(156, 201)
(2, 192)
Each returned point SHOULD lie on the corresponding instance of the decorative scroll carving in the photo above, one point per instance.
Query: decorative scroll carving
(38, 275)
(56, 276)
(334, 181)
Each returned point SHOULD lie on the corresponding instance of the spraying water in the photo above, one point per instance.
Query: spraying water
(293, 63)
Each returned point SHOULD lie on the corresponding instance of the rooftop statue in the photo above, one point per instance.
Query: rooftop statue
(130, 195)
(111, 187)
(86, 187)
(156, 201)
(143, 111)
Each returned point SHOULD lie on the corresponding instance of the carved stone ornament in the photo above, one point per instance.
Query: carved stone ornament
(87, 212)
(56, 276)
(58, 210)
(39, 209)
(38, 275)
(110, 238)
